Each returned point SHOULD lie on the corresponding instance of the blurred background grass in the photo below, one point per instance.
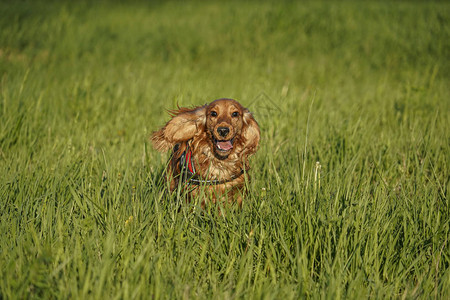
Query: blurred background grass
(350, 186)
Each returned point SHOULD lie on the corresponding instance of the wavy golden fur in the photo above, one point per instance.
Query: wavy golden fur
(221, 136)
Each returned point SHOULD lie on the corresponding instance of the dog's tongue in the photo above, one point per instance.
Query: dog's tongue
(226, 145)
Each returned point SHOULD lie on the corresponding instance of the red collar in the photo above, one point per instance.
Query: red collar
(189, 161)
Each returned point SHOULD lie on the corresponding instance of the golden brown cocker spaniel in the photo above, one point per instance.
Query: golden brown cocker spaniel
(211, 145)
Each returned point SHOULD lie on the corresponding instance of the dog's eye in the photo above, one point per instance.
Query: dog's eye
(213, 114)
(235, 114)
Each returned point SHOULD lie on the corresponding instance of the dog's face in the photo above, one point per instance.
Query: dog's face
(223, 125)
(224, 122)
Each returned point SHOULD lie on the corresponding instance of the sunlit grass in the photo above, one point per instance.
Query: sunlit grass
(349, 191)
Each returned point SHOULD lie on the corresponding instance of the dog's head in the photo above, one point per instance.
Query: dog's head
(229, 127)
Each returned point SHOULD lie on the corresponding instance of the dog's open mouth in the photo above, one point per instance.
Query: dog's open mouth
(225, 145)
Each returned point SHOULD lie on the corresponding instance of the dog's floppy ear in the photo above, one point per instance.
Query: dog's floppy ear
(184, 125)
(250, 133)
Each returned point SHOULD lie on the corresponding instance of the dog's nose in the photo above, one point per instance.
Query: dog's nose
(223, 131)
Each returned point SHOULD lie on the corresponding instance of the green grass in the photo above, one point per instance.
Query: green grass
(349, 197)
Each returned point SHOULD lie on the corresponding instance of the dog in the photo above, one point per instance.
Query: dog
(211, 145)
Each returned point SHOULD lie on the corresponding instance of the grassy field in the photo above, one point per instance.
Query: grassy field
(349, 197)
